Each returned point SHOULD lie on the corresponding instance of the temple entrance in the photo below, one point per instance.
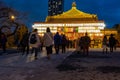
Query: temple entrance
(96, 39)
(72, 36)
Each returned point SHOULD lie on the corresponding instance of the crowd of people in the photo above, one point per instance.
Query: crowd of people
(111, 43)
(84, 43)
(32, 41)
(57, 41)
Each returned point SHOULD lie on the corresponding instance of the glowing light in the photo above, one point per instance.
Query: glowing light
(87, 28)
(12, 17)
(82, 27)
(90, 34)
(90, 31)
(101, 34)
(100, 25)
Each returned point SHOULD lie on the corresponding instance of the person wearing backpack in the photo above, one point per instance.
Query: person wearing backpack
(34, 42)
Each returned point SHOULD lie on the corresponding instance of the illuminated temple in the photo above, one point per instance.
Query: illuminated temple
(73, 23)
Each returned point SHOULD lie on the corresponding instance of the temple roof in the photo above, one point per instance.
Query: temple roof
(73, 13)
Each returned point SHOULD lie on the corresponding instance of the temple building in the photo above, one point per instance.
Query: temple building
(74, 23)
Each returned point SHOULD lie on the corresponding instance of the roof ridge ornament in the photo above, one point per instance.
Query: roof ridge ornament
(74, 4)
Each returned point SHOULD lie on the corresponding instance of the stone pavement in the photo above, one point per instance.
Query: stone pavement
(21, 67)
(68, 66)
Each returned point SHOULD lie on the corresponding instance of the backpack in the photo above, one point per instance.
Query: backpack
(33, 39)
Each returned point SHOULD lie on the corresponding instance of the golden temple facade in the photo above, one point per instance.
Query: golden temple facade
(73, 23)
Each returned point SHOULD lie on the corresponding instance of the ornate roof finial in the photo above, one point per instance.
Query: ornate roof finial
(74, 4)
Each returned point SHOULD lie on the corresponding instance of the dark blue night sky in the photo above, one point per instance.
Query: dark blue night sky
(107, 10)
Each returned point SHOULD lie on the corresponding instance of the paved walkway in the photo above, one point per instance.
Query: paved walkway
(21, 67)
(18, 67)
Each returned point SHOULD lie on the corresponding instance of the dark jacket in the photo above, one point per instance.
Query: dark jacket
(3, 39)
(86, 41)
(112, 41)
(64, 40)
(25, 39)
(57, 39)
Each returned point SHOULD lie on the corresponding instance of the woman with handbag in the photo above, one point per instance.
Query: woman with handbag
(48, 41)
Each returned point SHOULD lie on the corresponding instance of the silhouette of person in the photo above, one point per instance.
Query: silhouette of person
(64, 42)
(112, 42)
(105, 43)
(86, 43)
(25, 43)
(57, 42)
(3, 41)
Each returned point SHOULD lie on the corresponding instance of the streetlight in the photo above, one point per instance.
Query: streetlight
(12, 17)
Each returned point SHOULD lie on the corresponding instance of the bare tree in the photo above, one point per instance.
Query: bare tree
(8, 25)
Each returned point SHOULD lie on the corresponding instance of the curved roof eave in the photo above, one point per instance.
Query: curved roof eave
(74, 12)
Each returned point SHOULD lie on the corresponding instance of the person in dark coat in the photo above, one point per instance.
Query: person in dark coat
(3, 41)
(81, 45)
(25, 43)
(64, 43)
(57, 42)
(86, 44)
(112, 42)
